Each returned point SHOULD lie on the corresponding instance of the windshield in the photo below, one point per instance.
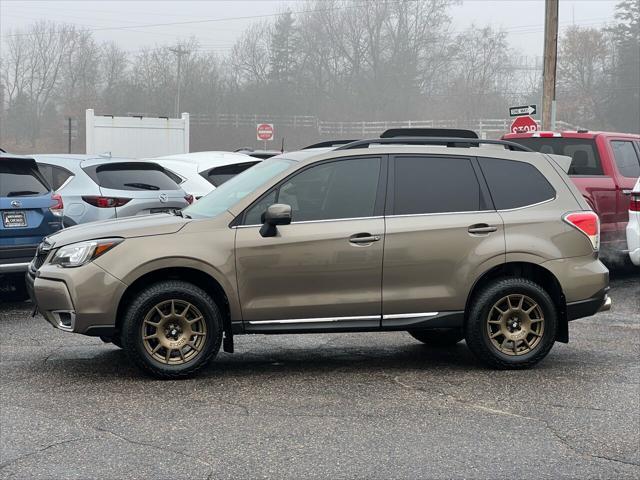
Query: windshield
(234, 190)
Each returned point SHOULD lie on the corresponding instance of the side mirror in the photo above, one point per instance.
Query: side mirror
(276, 214)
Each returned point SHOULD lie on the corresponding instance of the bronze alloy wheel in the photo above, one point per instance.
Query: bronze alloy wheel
(515, 324)
(174, 332)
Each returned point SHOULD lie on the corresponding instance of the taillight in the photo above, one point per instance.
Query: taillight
(105, 202)
(588, 223)
(634, 204)
(58, 206)
(189, 198)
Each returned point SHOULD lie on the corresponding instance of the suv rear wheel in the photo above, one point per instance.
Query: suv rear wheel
(511, 324)
(172, 329)
(438, 338)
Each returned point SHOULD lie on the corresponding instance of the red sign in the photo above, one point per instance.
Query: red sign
(524, 124)
(265, 131)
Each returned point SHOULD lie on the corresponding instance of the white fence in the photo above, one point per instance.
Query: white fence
(136, 137)
(484, 127)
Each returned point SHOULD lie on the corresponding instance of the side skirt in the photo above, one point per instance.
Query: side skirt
(373, 323)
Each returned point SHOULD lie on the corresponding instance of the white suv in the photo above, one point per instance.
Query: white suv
(633, 227)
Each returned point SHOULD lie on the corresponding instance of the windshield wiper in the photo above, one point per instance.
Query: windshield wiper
(144, 186)
(17, 193)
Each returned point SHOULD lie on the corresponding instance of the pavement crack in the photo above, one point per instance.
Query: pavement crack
(40, 450)
(155, 447)
(494, 411)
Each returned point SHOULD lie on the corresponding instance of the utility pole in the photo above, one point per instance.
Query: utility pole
(69, 127)
(179, 51)
(550, 64)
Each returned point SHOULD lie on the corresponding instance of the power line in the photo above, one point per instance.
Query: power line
(210, 20)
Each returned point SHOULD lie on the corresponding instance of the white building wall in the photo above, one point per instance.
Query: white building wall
(136, 137)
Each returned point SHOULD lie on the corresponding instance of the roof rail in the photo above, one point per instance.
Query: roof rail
(446, 141)
(328, 143)
(428, 132)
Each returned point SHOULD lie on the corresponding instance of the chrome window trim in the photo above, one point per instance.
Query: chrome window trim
(316, 221)
(66, 182)
(394, 316)
(314, 320)
(530, 205)
(400, 215)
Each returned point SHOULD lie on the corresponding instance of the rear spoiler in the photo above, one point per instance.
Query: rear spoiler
(563, 161)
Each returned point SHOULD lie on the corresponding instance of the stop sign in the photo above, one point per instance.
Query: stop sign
(265, 131)
(524, 124)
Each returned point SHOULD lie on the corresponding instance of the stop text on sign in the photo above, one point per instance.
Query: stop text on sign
(524, 124)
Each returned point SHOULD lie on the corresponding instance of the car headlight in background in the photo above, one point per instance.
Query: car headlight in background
(78, 254)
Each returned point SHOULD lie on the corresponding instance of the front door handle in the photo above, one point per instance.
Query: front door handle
(359, 238)
(481, 228)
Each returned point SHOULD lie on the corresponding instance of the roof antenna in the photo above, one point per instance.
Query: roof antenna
(282, 146)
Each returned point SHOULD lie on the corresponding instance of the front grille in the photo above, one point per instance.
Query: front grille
(41, 255)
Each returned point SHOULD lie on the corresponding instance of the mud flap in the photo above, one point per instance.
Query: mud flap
(227, 340)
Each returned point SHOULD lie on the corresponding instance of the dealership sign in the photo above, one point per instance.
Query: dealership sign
(265, 131)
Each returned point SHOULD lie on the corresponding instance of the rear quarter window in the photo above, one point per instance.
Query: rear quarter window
(20, 179)
(218, 175)
(626, 158)
(514, 184)
(56, 176)
(132, 176)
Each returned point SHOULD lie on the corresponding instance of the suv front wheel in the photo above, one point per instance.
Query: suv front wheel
(511, 324)
(172, 329)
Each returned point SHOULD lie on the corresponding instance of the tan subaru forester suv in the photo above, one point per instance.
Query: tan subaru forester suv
(445, 238)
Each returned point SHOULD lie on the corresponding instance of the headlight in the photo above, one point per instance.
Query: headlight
(78, 254)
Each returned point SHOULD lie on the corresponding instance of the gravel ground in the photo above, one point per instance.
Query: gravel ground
(324, 406)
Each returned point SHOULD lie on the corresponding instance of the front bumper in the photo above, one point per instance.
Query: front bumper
(80, 300)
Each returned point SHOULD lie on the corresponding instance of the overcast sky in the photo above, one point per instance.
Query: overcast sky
(522, 19)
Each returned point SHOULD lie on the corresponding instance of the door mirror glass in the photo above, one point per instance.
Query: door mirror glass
(276, 214)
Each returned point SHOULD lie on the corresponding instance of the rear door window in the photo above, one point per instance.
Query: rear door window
(583, 152)
(514, 184)
(435, 185)
(20, 179)
(626, 158)
(217, 176)
(133, 176)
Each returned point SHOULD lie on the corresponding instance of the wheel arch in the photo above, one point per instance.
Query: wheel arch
(545, 278)
(188, 274)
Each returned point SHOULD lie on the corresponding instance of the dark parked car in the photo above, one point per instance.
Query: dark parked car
(30, 211)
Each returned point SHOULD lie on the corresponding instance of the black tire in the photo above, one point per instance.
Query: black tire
(132, 327)
(477, 336)
(438, 338)
(16, 289)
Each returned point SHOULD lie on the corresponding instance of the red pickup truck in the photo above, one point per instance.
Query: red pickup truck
(605, 167)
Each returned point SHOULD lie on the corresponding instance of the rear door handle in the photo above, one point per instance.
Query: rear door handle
(359, 238)
(481, 228)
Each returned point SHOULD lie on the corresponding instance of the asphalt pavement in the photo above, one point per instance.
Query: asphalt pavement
(360, 405)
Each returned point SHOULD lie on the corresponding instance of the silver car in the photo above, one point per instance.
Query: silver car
(100, 188)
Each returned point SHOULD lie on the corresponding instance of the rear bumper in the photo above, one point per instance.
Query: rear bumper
(20, 267)
(601, 302)
(16, 259)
